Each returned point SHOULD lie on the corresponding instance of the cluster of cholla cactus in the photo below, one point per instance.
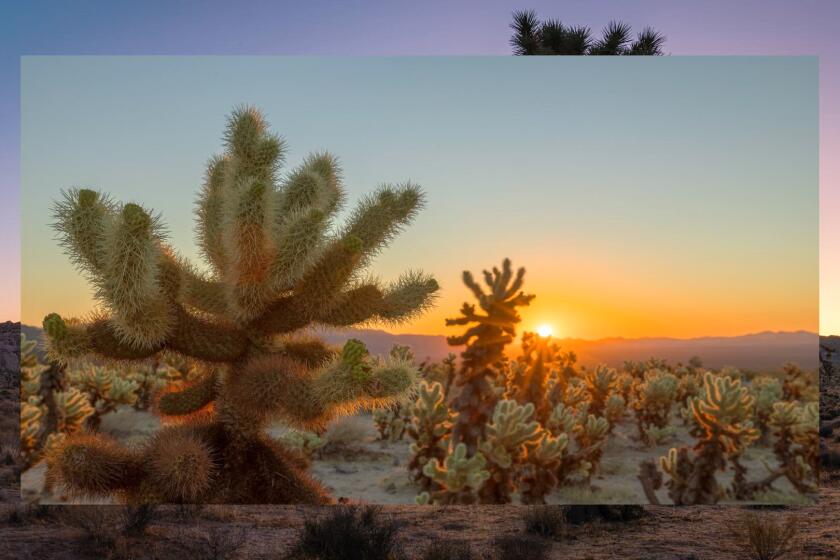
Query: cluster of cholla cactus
(105, 389)
(49, 409)
(726, 415)
(521, 427)
(723, 415)
(277, 266)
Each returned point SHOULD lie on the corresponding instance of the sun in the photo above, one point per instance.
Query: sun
(545, 330)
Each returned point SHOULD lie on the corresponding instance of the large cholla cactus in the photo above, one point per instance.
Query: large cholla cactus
(277, 266)
(69, 408)
(486, 339)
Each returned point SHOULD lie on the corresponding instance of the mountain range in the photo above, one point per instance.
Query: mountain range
(765, 351)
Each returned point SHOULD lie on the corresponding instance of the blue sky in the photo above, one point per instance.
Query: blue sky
(688, 179)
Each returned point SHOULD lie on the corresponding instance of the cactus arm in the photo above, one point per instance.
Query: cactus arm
(192, 336)
(378, 218)
(353, 306)
(93, 465)
(206, 340)
(315, 293)
(278, 385)
(80, 220)
(189, 399)
(209, 214)
(248, 214)
(412, 294)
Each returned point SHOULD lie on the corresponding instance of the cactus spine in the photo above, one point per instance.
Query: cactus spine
(277, 266)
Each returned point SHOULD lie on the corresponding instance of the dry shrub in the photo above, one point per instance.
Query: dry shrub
(763, 537)
(100, 528)
(448, 550)
(220, 544)
(343, 434)
(362, 530)
(546, 521)
(521, 547)
(135, 519)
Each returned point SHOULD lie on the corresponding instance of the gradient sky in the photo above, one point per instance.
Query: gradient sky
(395, 28)
(660, 196)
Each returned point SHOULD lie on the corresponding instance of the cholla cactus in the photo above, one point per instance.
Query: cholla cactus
(655, 396)
(307, 443)
(430, 428)
(392, 422)
(615, 409)
(486, 339)
(600, 382)
(73, 409)
(70, 409)
(656, 436)
(689, 385)
(539, 471)
(722, 414)
(528, 376)
(767, 392)
(459, 477)
(276, 268)
(795, 429)
(105, 390)
(591, 436)
(504, 446)
(799, 385)
(151, 379)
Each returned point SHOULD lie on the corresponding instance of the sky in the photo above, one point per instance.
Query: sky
(645, 197)
(399, 28)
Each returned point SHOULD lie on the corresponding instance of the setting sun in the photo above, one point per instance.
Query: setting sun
(545, 330)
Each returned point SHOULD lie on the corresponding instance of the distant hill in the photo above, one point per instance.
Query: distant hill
(765, 351)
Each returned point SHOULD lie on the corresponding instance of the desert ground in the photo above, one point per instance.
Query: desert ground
(373, 471)
(356, 465)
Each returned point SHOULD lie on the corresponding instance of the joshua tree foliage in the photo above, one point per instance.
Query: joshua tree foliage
(551, 37)
(277, 266)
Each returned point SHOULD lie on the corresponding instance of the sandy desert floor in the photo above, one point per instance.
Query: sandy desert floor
(360, 467)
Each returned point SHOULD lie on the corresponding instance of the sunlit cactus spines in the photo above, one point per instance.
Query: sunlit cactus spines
(105, 389)
(655, 396)
(539, 471)
(430, 427)
(795, 429)
(504, 446)
(600, 382)
(722, 415)
(459, 477)
(278, 264)
(530, 373)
